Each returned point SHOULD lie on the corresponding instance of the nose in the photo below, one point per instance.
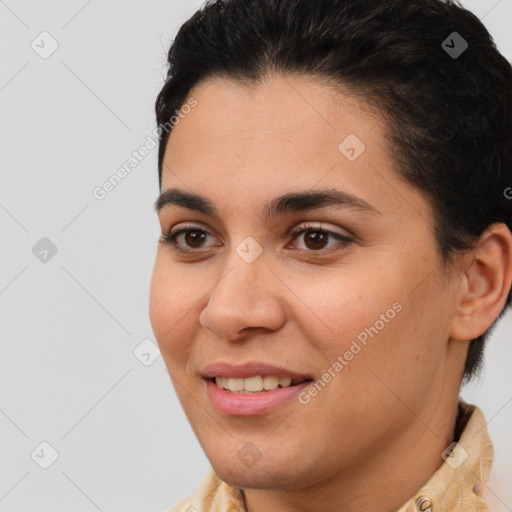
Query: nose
(245, 298)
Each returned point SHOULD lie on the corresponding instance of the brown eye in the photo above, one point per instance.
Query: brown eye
(316, 239)
(194, 238)
(185, 239)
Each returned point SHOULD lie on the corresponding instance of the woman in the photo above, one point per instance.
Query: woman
(335, 250)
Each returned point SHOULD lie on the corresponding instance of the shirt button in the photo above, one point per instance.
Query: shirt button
(478, 488)
(424, 504)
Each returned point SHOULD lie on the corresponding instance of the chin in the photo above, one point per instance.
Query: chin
(262, 473)
(252, 478)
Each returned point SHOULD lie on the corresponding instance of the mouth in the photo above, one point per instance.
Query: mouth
(255, 384)
(252, 388)
(256, 400)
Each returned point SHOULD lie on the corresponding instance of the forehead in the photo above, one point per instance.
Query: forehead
(280, 112)
(284, 133)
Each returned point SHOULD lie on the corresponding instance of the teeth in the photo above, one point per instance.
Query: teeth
(270, 382)
(235, 384)
(254, 384)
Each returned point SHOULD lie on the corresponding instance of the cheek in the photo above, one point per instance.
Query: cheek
(346, 307)
(377, 318)
(174, 298)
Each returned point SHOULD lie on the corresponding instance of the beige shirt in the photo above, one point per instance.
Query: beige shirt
(457, 486)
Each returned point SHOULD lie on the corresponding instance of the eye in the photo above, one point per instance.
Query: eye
(316, 238)
(193, 239)
(190, 239)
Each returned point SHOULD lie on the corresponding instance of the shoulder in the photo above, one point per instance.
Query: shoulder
(212, 495)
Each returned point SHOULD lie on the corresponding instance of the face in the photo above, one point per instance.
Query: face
(343, 289)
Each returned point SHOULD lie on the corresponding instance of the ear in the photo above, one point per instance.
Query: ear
(485, 283)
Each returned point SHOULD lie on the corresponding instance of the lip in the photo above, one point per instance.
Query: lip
(250, 369)
(233, 404)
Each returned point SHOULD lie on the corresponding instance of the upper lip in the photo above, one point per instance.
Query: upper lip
(250, 369)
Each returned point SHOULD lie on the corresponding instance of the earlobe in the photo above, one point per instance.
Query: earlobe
(485, 284)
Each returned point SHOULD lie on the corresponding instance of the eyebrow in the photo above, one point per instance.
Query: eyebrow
(288, 203)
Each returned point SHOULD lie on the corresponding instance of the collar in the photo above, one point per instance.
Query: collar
(458, 484)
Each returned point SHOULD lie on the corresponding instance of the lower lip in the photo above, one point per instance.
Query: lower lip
(234, 404)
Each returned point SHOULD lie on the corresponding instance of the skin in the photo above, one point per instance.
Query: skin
(373, 436)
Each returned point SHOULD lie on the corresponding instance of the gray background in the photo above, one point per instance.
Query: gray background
(70, 324)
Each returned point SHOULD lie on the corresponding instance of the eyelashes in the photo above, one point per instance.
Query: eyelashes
(171, 237)
(316, 235)
(324, 235)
